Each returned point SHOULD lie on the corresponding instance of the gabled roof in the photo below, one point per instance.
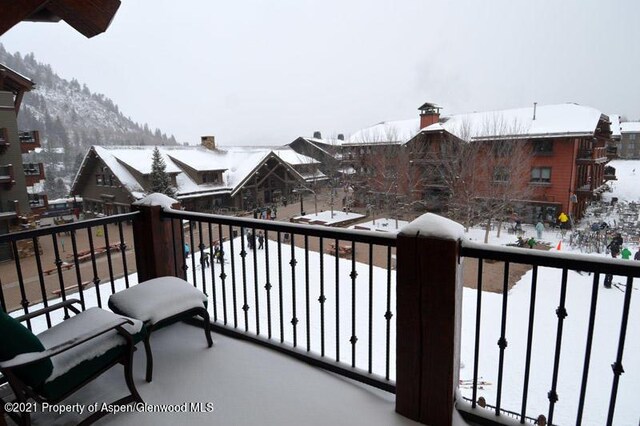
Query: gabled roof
(13, 81)
(139, 158)
(550, 121)
(237, 165)
(386, 132)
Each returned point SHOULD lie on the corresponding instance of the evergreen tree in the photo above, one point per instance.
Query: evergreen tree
(160, 181)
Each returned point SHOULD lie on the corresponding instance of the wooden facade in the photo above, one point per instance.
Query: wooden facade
(563, 173)
(105, 193)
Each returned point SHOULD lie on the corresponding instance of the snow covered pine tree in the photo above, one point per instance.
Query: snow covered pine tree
(160, 181)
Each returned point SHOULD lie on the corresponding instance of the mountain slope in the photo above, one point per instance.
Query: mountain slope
(71, 118)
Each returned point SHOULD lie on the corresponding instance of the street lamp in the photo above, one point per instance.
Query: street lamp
(301, 192)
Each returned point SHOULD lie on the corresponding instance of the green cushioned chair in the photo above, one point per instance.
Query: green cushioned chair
(58, 362)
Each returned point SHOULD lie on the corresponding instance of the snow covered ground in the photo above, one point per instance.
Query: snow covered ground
(626, 187)
(326, 218)
(574, 335)
(579, 293)
(382, 224)
(607, 322)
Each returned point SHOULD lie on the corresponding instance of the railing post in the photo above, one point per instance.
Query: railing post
(429, 301)
(158, 252)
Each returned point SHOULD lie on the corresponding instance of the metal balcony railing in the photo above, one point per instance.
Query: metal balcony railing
(6, 175)
(599, 268)
(29, 140)
(297, 289)
(328, 297)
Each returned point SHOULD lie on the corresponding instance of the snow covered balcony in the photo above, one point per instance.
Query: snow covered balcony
(597, 155)
(543, 349)
(29, 140)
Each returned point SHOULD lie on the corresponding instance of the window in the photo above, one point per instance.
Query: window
(502, 148)
(632, 136)
(99, 179)
(500, 174)
(541, 175)
(544, 147)
(210, 177)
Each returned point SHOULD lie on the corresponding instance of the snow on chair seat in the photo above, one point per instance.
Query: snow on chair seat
(58, 362)
(92, 318)
(160, 302)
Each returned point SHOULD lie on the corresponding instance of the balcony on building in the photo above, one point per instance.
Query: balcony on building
(4, 137)
(395, 360)
(595, 155)
(7, 178)
(610, 173)
(37, 201)
(29, 140)
(33, 173)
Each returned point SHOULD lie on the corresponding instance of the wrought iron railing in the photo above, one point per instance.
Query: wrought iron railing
(312, 292)
(49, 263)
(327, 296)
(599, 267)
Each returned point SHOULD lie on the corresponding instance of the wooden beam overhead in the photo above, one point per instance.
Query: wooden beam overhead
(18, 101)
(14, 11)
(89, 17)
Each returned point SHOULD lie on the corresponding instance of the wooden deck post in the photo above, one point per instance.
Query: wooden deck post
(158, 252)
(429, 300)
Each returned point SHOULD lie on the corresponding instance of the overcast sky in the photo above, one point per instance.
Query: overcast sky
(257, 72)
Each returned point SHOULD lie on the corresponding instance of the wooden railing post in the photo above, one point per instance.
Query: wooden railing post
(158, 252)
(429, 301)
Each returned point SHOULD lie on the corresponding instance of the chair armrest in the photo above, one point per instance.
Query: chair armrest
(65, 304)
(31, 357)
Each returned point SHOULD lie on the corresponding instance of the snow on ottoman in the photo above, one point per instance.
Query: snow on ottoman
(159, 302)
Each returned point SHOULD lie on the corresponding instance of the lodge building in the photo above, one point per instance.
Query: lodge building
(206, 178)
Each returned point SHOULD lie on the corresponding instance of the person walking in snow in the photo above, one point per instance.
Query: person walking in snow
(564, 220)
(250, 240)
(539, 229)
(615, 245)
(260, 240)
(205, 260)
(637, 256)
(626, 253)
(216, 252)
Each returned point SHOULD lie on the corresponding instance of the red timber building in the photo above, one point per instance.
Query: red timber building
(563, 171)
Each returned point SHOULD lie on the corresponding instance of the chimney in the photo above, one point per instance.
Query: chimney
(340, 137)
(208, 142)
(429, 114)
(317, 134)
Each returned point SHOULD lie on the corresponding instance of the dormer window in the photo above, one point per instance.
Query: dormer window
(211, 177)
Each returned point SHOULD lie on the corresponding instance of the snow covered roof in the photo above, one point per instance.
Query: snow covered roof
(139, 158)
(550, 120)
(119, 170)
(615, 125)
(290, 156)
(630, 127)
(399, 131)
(236, 164)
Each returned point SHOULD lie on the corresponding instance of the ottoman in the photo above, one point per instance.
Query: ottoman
(160, 302)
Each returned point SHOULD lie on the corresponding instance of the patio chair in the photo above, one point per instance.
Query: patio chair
(58, 362)
(160, 302)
